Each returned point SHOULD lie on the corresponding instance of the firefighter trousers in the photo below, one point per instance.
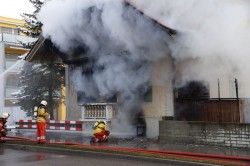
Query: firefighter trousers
(40, 134)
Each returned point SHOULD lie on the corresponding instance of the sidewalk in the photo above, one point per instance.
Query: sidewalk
(144, 143)
(138, 142)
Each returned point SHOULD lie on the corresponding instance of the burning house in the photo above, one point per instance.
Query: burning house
(115, 75)
(135, 63)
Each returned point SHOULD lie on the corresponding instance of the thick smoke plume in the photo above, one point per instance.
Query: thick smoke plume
(212, 42)
(120, 42)
(213, 38)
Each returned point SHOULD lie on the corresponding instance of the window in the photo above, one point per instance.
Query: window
(148, 95)
(12, 80)
(112, 99)
(12, 56)
(8, 64)
(9, 91)
(9, 30)
(82, 98)
(10, 59)
(194, 89)
(6, 30)
(15, 32)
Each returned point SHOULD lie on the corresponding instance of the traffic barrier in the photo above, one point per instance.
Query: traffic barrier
(51, 125)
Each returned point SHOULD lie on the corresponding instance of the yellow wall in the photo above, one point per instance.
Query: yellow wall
(15, 51)
(11, 22)
(62, 106)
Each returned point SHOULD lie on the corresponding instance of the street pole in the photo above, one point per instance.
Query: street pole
(237, 98)
(220, 112)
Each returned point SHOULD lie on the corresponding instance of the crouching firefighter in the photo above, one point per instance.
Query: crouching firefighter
(41, 116)
(3, 129)
(100, 132)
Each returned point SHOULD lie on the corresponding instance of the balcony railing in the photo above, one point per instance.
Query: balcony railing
(105, 111)
(15, 39)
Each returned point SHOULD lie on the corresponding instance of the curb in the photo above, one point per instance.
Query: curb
(94, 154)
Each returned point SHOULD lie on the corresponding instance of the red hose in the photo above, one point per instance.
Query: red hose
(213, 157)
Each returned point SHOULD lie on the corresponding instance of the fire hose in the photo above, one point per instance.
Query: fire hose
(187, 155)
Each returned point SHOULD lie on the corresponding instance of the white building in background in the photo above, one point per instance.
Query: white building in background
(10, 50)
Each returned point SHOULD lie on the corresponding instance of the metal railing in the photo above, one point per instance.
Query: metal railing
(105, 111)
(16, 39)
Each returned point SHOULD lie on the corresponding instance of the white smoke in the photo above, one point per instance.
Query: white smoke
(213, 37)
(121, 42)
(211, 42)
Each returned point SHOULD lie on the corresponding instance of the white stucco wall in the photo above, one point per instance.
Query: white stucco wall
(162, 97)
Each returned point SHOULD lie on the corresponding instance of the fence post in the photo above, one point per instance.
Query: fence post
(240, 119)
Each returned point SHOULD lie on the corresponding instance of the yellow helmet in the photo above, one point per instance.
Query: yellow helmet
(99, 124)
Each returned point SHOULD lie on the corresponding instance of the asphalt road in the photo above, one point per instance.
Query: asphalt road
(11, 157)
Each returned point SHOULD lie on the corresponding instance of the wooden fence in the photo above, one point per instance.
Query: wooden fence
(209, 110)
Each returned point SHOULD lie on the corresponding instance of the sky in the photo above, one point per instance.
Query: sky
(13, 8)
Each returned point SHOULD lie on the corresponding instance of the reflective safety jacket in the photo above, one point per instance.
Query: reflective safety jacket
(42, 115)
(99, 127)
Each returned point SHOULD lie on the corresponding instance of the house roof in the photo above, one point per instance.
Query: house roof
(137, 6)
(44, 50)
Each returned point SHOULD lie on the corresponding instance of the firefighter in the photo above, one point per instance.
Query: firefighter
(100, 132)
(3, 129)
(42, 115)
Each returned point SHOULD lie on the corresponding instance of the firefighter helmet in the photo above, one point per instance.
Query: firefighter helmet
(100, 124)
(5, 115)
(43, 102)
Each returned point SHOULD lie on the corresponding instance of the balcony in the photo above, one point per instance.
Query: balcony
(15, 39)
(104, 111)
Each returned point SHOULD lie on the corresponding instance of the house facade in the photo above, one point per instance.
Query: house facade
(165, 98)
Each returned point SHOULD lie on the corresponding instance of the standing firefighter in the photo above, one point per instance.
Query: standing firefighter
(3, 129)
(42, 115)
(100, 132)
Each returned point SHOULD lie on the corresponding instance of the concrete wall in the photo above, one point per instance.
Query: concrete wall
(73, 110)
(162, 97)
(152, 127)
(219, 134)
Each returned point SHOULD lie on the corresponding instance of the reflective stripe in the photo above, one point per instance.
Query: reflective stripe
(42, 137)
(38, 138)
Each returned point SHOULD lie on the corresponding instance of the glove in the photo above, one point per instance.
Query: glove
(107, 132)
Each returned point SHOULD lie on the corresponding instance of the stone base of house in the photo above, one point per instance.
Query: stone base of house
(205, 133)
(152, 127)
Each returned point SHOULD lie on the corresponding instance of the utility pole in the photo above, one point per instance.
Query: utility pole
(220, 113)
(219, 88)
(50, 97)
(237, 98)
